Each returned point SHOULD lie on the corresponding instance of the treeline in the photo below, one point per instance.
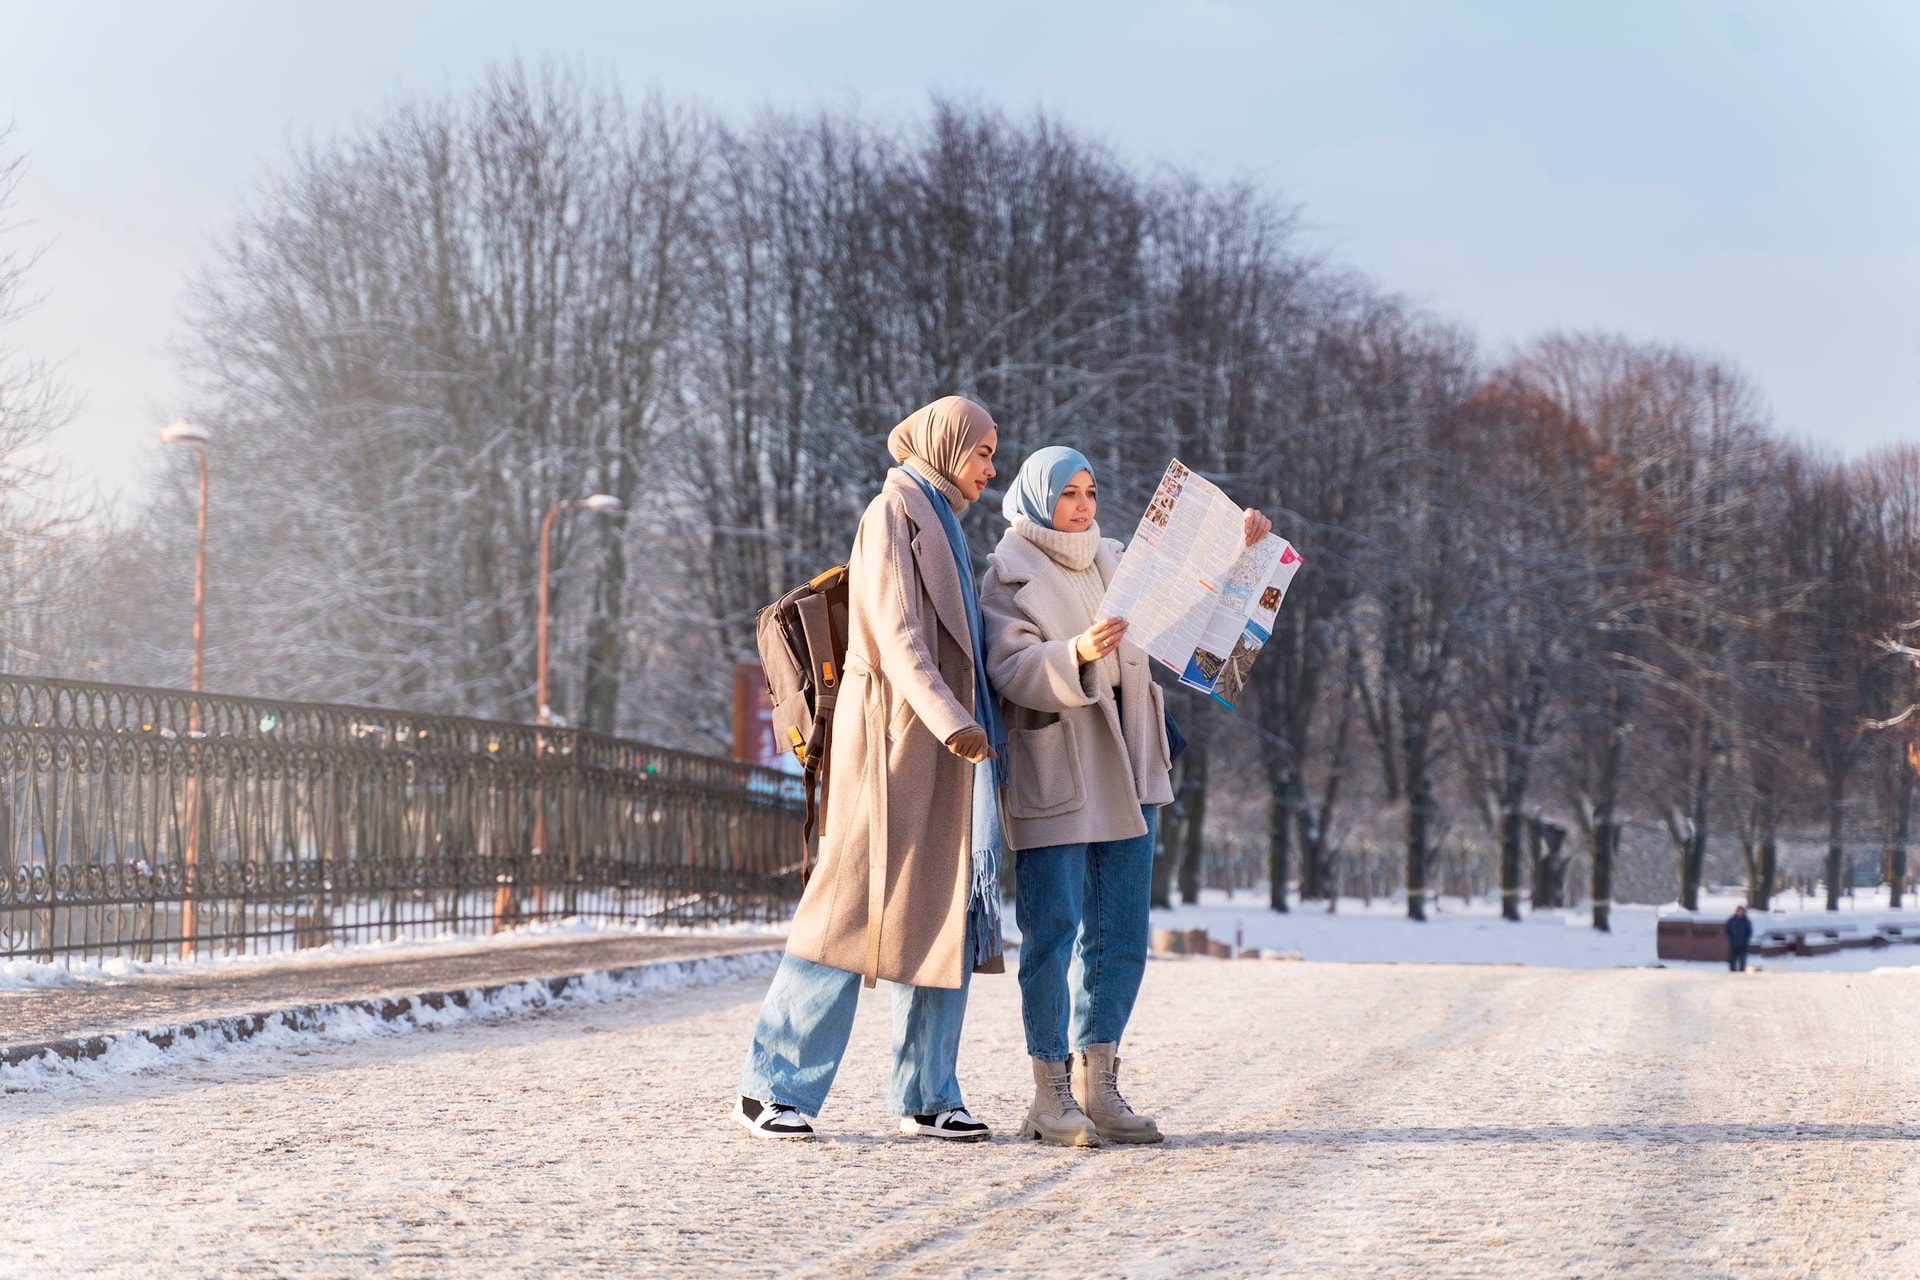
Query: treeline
(41, 573)
(1551, 598)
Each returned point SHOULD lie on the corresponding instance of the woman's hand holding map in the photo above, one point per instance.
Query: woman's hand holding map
(1200, 583)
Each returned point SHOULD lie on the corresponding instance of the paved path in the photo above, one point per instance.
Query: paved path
(1328, 1120)
(193, 993)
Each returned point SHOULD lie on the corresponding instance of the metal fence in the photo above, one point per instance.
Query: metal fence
(151, 823)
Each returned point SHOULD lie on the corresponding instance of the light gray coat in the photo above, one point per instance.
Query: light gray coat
(1078, 774)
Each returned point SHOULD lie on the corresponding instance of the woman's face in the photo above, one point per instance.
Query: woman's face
(1074, 512)
(978, 469)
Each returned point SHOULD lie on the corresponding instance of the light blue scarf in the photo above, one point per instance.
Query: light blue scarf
(1042, 476)
(983, 895)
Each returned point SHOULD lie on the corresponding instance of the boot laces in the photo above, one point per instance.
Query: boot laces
(1110, 1079)
(1063, 1092)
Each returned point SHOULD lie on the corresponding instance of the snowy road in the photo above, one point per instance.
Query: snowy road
(1327, 1120)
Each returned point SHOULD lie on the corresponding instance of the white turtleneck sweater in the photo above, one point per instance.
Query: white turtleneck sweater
(1074, 553)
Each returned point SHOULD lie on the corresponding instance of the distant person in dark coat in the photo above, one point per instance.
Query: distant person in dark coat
(1739, 934)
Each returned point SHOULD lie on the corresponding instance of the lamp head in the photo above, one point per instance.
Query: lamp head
(180, 431)
(604, 503)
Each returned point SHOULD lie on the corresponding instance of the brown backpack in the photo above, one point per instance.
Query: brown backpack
(803, 649)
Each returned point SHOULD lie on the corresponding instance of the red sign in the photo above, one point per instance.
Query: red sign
(753, 739)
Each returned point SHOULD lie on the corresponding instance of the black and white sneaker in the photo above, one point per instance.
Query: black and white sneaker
(771, 1119)
(955, 1126)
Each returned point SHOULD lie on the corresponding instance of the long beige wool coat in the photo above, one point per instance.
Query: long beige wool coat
(1079, 767)
(895, 847)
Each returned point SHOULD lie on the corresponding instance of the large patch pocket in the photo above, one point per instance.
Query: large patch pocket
(1159, 730)
(1045, 772)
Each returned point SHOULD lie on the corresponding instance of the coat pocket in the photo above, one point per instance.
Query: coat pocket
(1044, 771)
(1161, 721)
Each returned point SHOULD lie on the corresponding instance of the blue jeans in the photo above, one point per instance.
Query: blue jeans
(1082, 910)
(803, 1029)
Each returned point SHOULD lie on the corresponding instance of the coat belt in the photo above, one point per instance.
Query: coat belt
(879, 838)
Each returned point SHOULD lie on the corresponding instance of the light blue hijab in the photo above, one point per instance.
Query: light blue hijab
(1042, 476)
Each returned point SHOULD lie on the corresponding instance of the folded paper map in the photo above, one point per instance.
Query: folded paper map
(1195, 596)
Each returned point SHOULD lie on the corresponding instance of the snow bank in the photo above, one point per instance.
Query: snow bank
(32, 973)
(170, 1048)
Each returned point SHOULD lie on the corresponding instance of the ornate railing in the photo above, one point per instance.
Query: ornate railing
(151, 823)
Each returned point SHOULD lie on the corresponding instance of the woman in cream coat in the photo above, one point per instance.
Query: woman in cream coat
(1088, 769)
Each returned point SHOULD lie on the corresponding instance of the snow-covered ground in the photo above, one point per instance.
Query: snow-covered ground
(1473, 933)
(1323, 1120)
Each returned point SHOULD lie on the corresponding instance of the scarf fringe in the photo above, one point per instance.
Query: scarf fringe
(984, 939)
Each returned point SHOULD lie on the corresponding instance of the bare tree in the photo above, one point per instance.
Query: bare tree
(1323, 475)
(1523, 464)
(1829, 547)
(1889, 481)
(1677, 446)
(1418, 585)
(420, 338)
(39, 581)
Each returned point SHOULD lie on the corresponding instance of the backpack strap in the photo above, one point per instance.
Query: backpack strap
(817, 622)
(810, 785)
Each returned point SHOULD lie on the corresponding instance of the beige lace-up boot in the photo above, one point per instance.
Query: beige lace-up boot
(1055, 1117)
(1096, 1087)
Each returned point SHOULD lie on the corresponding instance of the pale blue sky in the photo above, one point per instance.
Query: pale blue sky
(1743, 178)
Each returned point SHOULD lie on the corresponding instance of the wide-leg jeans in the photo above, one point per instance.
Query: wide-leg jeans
(807, 1018)
(1082, 911)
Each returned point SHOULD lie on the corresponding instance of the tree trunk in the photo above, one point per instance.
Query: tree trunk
(1836, 845)
(1510, 856)
(1606, 842)
(1419, 827)
(1310, 868)
(1693, 845)
(601, 703)
(1306, 829)
(1546, 840)
(1606, 828)
(1760, 894)
(1276, 751)
(1314, 861)
(1279, 838)
(1196, 821)
(1897, 846)
(1540, 875)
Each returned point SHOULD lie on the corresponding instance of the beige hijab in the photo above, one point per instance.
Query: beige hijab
(941, 437)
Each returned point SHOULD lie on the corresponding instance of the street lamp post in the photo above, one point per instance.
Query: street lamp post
(183, 432)
(180, 431)
(602, 504)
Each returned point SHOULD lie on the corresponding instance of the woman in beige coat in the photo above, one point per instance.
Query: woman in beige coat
(907, 888)
(1088, 768)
